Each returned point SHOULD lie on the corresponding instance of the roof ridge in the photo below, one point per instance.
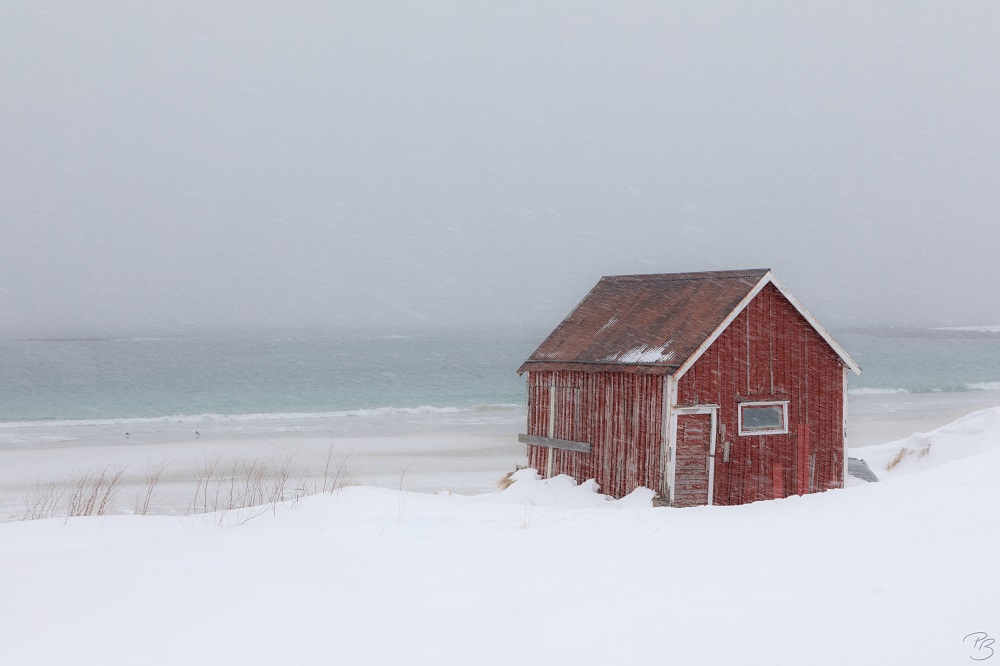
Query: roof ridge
(694, 275)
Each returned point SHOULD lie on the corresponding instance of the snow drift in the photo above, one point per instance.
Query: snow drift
(968, 436)
(545, 571)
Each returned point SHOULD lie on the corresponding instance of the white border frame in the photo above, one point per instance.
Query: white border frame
(669, 437)
(713, 411)
(844, 478)
(764, 403)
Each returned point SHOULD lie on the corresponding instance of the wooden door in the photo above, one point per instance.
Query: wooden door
(691, 469)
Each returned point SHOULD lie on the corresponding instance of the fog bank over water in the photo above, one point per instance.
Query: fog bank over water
(190, 166)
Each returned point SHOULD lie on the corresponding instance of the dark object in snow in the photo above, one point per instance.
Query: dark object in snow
(708, 388)
(859, 470)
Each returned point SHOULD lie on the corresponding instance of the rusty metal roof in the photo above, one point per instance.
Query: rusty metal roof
(644, 323)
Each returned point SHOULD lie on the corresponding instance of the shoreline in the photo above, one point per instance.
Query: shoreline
(462, 452)
(872, 419)
(880, 419)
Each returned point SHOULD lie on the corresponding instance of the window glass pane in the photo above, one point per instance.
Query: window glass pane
(764, 417)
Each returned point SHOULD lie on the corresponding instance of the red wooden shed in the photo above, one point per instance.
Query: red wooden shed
(709, 388)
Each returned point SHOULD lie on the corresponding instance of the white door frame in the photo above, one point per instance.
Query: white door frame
(551, 431)
(676, 411)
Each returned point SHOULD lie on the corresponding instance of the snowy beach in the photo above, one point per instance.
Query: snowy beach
(894, 572)
(422, 450)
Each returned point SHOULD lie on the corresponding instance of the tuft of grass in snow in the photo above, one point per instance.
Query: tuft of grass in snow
(507, 480)
(153, 473)
(527, 511)
(898, 459)
(903, 452)
(335, 472)
(42, 500)
(89, 493)
(220, 486)
(402, 493)
(244, 482)
(93, 493)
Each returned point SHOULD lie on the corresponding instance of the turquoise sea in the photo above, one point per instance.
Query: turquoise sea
(917, 360)
(60, 391)
(322, 377)
(96, 379)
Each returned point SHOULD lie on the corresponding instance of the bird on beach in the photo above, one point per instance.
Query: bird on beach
(126, 434)
(197, 434)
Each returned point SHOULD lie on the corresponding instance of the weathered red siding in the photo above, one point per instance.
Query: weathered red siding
(770, 352)
(619, 414)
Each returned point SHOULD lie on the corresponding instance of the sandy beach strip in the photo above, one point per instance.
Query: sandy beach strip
(464, 457)
(878, 419)
(465, 463)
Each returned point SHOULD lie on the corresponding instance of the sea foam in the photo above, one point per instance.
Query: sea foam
(984, 386)
(284, 416)
(877, 391)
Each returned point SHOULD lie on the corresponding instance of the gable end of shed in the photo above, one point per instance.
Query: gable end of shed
(767, 279)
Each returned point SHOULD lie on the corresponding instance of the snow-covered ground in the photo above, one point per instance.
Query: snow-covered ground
(898, 572)
(968, 436)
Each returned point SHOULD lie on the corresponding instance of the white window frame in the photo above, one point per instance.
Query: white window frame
(783, 430)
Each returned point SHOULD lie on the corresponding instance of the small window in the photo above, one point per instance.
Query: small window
(763, 418)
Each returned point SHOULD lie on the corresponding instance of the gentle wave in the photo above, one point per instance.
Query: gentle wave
(955, 388)
(876, 391)
(216, 418)
(984, 386)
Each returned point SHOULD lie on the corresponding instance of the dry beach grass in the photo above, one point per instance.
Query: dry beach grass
(219, 486)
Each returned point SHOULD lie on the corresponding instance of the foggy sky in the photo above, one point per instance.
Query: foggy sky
(192, 165)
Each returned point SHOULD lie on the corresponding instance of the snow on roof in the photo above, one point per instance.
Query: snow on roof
(644, 354)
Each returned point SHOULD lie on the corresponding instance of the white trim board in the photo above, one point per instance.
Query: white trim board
(670, 435)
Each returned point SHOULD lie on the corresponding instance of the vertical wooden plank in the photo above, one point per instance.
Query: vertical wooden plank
(802, 459)
(777, 479)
